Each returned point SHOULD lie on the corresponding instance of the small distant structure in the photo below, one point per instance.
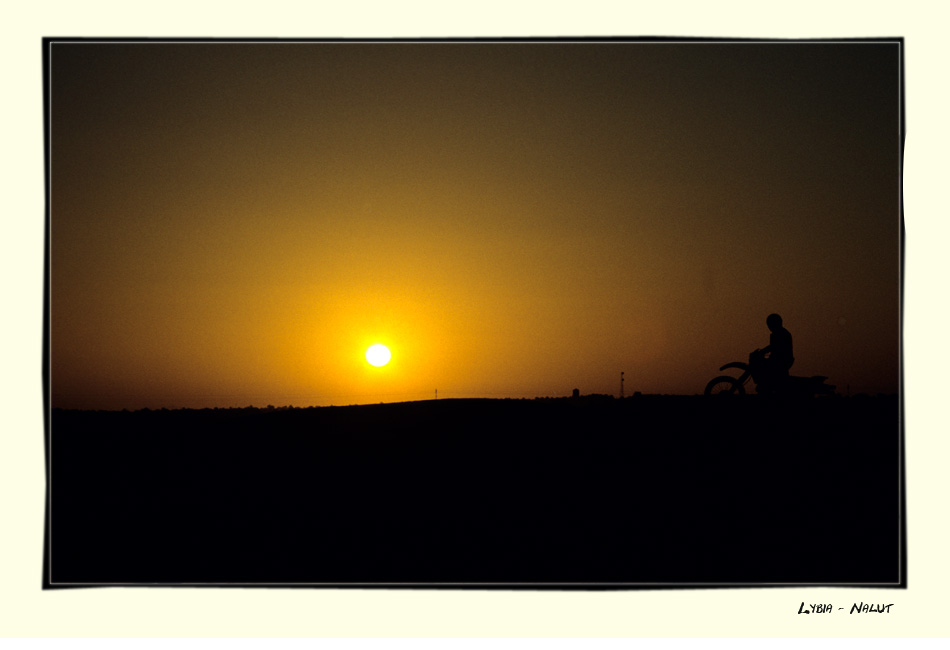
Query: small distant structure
(576, 393)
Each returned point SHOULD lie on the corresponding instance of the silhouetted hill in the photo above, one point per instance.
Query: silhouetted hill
(656, 489)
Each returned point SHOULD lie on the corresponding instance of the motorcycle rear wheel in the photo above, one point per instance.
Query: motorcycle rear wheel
(724, 385)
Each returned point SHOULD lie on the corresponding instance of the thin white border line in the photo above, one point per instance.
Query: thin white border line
(486, 585)
(49, 333)
(356, 40)
(900, 312)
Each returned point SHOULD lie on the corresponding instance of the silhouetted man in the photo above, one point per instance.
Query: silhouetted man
(779, 350)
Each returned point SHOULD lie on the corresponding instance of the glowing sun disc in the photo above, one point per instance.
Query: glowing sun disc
(378, 355)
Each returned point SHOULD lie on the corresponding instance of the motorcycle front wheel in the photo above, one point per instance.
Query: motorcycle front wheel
(724, 385)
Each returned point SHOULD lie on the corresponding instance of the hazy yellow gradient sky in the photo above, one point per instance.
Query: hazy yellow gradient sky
(235, 223)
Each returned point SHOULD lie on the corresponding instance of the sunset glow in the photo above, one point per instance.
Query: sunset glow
(234, 224)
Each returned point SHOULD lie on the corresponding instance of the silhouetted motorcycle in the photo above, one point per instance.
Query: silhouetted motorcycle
(756, 371)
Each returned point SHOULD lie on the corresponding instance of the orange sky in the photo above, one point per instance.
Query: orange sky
(235, 224)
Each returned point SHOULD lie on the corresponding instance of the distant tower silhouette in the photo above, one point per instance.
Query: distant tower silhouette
(621, 385)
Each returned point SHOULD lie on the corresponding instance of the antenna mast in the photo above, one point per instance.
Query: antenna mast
(621, 385)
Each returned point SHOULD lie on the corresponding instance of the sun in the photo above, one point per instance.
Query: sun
(378, 355)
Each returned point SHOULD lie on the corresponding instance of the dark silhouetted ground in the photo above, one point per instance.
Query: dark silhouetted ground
(579, 491)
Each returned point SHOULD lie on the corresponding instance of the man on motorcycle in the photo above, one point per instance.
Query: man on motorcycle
(779, 350)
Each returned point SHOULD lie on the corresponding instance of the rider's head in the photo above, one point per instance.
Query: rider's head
(774, 321)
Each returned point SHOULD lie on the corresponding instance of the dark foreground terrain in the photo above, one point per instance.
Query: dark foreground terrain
(584, 492)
